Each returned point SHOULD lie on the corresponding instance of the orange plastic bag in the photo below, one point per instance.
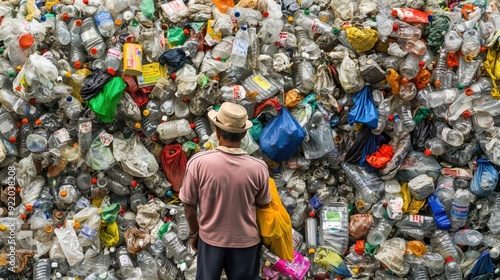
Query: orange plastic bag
(394, 80)
(292, 98)
(422, 79)
(222, 5)
(275, 226)
(381, 157)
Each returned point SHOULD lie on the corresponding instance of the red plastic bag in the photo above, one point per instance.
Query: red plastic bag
(410, 15)
(173, 161)
(381, 157)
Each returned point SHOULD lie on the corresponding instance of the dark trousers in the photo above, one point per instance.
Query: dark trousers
(238, 263)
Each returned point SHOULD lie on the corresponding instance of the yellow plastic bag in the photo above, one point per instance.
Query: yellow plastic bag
(492, 67)
(394, 80)
(292, 98)
(275, 226)
(109, 234)
(410, 204)
(362, 40)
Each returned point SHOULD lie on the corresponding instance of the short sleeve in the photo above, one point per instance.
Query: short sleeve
(189, 188)
(263, 195)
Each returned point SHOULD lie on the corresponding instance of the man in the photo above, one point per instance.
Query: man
(228, 185)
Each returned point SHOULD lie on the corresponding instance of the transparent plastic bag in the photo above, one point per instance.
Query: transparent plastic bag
(133, 157)
(350, 76)
(99, 156)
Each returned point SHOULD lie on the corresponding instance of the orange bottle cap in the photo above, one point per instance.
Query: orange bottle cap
(145, 112)
(64, 193)
(65, 16)
(26, 41)
(12, 139)
(78, 22)
(118, 22)
(466, 114)
(77, 64)
(29, 208)
(48, 228)
(38, 122)
(76, 224)
(192, 125)
(137, 125)
(427, 152)
(24, 121)
(469, 91)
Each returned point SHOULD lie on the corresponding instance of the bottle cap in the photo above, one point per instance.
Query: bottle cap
(196, 140)
(404, 81)
(48, 228)
(323, 18)
(186, 31)
(111, 71)
(118, 22)
(76, 224)
(192, 125)
(427, 152)
(244, 27)
(237, 14)
(466, 114)
(38, 122)
(421, 64)
(78, 22)
(290, 19)
(24, 121)
(395, 27)
(391, 117)
(134, 183)
(265, 13)
(355, 270)
(29, 208)
(311, 251)
(26, 41)
(448, 259)
(484, 49)
(312, 214)
(43, 18)
(12, 139)
(438, 83)
(360, 203)
(23, 216)
(145, 112)
(469, 91)
(77, 64)
(394, 13)
(429, 17)
(64, 193)
(12, 74)
(336, 30)
(65, 17)
(94, 181)
(460, 86)
(307, 12)
(93, 51)
(137, 125)
(69, 98)
(86, 2)
(173, 76)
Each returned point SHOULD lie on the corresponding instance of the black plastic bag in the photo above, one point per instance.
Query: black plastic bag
(423, 131)
(94, 83)
(174, 58)
(234, 75)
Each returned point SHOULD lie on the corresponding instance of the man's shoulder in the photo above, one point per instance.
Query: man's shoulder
(201, 156)
(256, 161)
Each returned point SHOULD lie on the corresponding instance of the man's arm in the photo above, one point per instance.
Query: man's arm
(262, 205)
(192, 218)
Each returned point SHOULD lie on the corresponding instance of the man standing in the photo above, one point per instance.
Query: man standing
(228, 185)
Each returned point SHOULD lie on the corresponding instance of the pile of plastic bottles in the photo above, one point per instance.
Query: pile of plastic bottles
(389, 169)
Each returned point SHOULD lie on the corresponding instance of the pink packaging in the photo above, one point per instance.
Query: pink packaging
(295, 269)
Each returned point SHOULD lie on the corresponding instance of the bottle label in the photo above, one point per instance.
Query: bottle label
(449, 96)
(6, 126)
(259, 80)
(83, 202)
(103, 17)
(238, 93)
(116, 53)
(85, 127)
(315, 26)
(459, 211)
(106, 138)
(417, 219)
(62, 135)
(333, 220)
(89, 232)
(87, 35)
(172, 7)
(240, 47)
(283, 39)
(125, 260)
(396, 205)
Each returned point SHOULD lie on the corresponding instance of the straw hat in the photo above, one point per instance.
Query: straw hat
(231, 117)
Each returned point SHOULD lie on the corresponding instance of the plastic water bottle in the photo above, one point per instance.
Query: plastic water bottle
(439, 72)
(63, 35)
(203, 129)
(114, 58)
(104, 22)
(92, 40)
(450, 136)
(436, 147)
(173, 129)
(438, 98)
(240, 47)
(120, 176)
(175, 247)
(379, 233)
(125, 262)
(182, 225)
(233, 93)
(311, 232)
(148, 265)
(452, 269)
(410, 67)
(444, 244)
(460, 208)
(471, 44)
(42, 269)
(14, 103)
(137, 198)
(468, 237)
(315, 25)
(452, 41)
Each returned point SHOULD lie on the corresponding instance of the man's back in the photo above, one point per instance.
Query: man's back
(226, 183)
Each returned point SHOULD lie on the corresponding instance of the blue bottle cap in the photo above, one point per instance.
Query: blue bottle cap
(36, 204)
(47, 215)
(43, 18)
(69, 98)
(169, 193)
(237, 14)
(244, 27)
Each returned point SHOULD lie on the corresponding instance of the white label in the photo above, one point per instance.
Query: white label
(417, 219)
(83, 202)
(396, 204)
(116, 53)
(283, 39)
(238, 92)
(6, 126)
(62, 134)
(125, 260)
(172, 7)
(240, 47)
(85, 127)
(333, 220)
(315, 26)
(89, 232)
(449, 96)
(88, 35)
(106, 138)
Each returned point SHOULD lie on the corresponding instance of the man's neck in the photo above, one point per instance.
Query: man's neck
(229, 144)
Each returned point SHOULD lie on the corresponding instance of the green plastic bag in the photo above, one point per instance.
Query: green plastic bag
(256, 129)
(176, 36)
(110, 213)
(106, 102)
(148, 8)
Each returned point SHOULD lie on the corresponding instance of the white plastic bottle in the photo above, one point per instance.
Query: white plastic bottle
(240, 47)
(174, 129)
(460, 208)
(104, 22)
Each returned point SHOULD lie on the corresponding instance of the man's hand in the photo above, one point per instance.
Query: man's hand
(194, 242)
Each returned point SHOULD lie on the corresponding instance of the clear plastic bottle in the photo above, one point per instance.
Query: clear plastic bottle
(438, 98)
(182, 225)
(452, 269)
(306, 45)
(8, 127)
(439, 72)
(436, 147)
(17, 55)
(125, 262)
(452, 41)
(460, 208)
(114, 58)
(240, 47)
(25, 130)
(311, 232)
(148, 265)
(174, 129)
(315, 25)
(84, 181)
(444, 244)
(203, 129)
(175, 247)
(379, 233)
(394, 199)
(6, 68)
(384, 110)
(77, 56)
(416, 47)
(120, 176)
(62, 31)
(410, 66)
(468, 237)
(89, 231)
(450, 136)
(104, 22)
(42, 269)
(91, 38)
(303, 74)
(233, 93)
(471, 44)
(137, 198)
(168, 271)
(71, 107)
(14, 103)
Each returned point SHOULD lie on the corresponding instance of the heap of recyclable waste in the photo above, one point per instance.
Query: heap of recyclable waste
(379, 122)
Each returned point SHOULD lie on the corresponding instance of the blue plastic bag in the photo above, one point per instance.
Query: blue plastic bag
(281, 137)
(483, 267)
(363, 111)
(485, 179)
(440, 217)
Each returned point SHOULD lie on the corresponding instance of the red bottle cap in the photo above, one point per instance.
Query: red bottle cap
(24, 121)
(391, 117)
(134, 183)
(78, 22)
(312, 214)
(173, 76)
(394, 13)
(404, 81)
(196, 140)
(65, 16)
(448, 259)
(466, 114)
(427, 152)
(265, 13)
(77, 64)
(38, 122)
(93, 51)
(94, 181)
(468, 92)
(395, 27)
(185, 99)
(421, 64)
(29, 208)
(12, 139)
(192, 125)
(112, 71)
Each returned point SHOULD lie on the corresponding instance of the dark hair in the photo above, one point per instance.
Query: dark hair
(229, 136)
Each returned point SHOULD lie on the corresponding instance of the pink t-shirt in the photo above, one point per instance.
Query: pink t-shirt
(226, 183)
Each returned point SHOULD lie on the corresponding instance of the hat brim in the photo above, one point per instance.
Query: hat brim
(212, 117)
